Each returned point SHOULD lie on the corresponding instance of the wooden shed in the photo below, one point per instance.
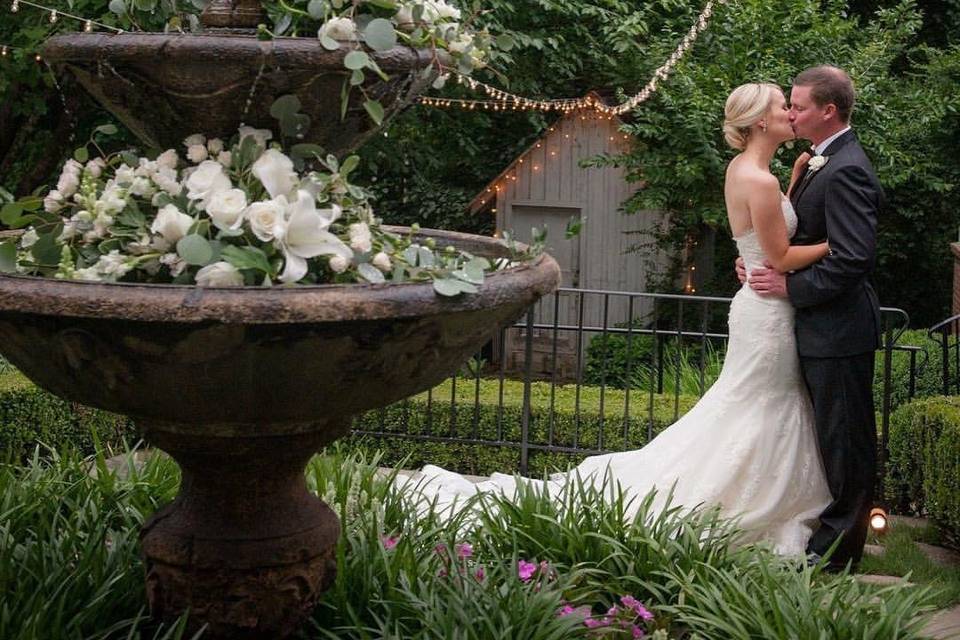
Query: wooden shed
(546, 186)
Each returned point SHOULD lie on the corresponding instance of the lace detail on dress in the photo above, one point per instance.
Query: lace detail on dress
(748, 244)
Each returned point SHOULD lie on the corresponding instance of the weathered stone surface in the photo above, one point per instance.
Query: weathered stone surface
(164, 87)
(241, 386)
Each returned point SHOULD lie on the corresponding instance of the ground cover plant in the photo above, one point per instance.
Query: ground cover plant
(537, 567)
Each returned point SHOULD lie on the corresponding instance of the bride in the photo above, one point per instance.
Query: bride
(748, 447)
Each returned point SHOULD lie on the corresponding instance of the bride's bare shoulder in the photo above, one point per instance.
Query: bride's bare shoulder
(742, 175)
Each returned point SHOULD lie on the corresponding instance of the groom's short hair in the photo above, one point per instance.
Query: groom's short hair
(829, 85)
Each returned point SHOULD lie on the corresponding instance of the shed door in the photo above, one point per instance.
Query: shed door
(565, 252)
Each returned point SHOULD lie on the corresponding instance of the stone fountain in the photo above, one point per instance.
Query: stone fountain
(242, 386)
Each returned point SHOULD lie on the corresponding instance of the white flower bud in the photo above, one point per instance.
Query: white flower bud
(219, 274)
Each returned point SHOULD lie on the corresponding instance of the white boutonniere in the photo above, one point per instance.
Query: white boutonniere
(816, 162)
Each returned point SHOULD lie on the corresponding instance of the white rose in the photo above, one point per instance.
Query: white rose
(142, 187)
(816, 162)
(171, 223)
(111, 201)
(196, 153)
(360, 238)
(146, 168)
(461, 44)
(68, 184)
(194, 140)
(90, 273)
(207, 180)
(440, 10)
(226, 209)
(260, 135)
(53, 202)
(225, 158)
(267, 219)
(95, 167)
(275, 171)
(29, 238)
(338, 29)
(214, 146)
(124, 175)
(338, 264)
(166, 179)
(219, 274)
(69, 231)
(114, 265)
(168, 159)
(382, 261)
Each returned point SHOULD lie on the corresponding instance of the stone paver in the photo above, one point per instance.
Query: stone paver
(945, 625)
(939, 555)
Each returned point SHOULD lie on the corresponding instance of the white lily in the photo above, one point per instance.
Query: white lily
(306, 236)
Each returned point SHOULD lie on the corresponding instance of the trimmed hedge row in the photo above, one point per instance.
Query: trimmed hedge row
(924, 463)
(30, 416)
(577, 421)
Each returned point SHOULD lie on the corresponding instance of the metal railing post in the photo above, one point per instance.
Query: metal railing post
(527, 381)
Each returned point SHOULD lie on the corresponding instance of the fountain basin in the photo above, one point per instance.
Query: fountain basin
(165, 87)
(241, 386)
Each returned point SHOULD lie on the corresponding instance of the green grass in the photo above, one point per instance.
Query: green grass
(70, 569)
(902, 557)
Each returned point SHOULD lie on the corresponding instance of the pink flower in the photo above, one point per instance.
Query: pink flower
(389, 542)
(642, 612)
(440, 549)
(595, 623)
(525, 570)
(479, 574)
(637, 631)
(565, 610)
(464, 550)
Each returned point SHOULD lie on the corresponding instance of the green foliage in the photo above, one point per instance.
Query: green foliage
(622, 361)
(924, 466)
(70, 568)
(30, 416)
(928, 374)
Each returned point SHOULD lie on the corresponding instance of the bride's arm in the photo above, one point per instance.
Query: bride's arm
(766, 215)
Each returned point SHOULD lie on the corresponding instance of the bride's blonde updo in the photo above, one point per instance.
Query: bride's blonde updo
(745, 107)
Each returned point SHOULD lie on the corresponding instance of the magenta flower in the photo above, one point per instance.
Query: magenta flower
(637, 631)
(565, 610)
(526, 570)
(389, 542)
(440, 549)
(596, 623)
(479, 574)
(464, 550)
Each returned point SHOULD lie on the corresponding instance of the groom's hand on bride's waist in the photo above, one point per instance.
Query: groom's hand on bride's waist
(768, 282)
(741, 270)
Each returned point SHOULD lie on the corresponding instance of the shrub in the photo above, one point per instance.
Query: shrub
(31, 416)
(929, 373)
(924, 465)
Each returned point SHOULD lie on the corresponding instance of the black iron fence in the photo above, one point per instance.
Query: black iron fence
(592, 371)
(947, 333)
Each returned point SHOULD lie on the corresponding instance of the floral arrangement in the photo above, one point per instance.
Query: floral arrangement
(223, 216)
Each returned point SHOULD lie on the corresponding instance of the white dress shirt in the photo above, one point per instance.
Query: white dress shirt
(820, 148)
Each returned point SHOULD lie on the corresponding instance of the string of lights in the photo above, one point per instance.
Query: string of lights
(56, 14)
(7, 49)
(504, 100)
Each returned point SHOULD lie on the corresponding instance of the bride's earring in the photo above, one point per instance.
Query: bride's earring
(763, 126)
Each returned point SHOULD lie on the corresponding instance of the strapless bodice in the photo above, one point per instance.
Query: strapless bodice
(748, 244)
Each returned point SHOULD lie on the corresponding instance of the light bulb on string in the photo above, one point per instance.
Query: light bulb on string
(88, 26)
(15, 6)
(53, 16)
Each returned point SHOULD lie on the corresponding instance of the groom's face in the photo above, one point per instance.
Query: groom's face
(806, 117)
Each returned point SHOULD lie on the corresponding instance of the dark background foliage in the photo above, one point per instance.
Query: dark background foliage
(904, 56)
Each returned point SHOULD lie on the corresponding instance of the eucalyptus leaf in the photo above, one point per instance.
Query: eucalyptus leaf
(380, 35)
(349, 165)
(8, 256)
(118, 7)
(284, 106)
(280, 26)
(145, 5)
(45, 250)
(375, 110)
(195, 250)
(329, 43)
(505, 42)
(356, 60)
(370, 273)
(425, 257)
(468, 276)
(31, 203)
(295, 125)
(452, 287)
(10, 213)
(357, 77)
(306, 150)
(410, 254)
(383, 4)
(107, 129)
(317, 9)
(81, 154)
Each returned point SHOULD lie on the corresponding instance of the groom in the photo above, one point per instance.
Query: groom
(837, 314)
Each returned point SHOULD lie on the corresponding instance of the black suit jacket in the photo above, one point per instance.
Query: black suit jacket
(837, 310)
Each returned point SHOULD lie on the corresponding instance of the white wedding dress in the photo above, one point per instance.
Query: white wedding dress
(748, 446)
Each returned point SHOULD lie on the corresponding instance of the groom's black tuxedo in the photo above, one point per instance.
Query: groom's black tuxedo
(838, 329)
